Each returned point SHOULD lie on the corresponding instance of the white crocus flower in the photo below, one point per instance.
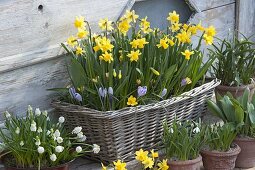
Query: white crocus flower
(77, 130)
(39, 130)
(59, 149)
(17, 131)
(21, 143)
(196, 130)
(59, 139)
(78, 149)
(96, 148)
(53, 157)
(33, 126)
(57, 133)
(7, 115)
(61, 119)
(37, 112)
(40, 149)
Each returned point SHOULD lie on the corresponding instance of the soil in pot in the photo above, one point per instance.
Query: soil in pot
(213, 160)
(193, 164)
(246, 158)
(235, 91)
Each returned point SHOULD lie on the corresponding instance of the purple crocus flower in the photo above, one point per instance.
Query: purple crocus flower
(183, 82)
(142, 90)
(163, 93)
(102, 92)
(110, 91)
(75, 95)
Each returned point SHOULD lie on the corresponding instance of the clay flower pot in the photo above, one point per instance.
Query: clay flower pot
(235, 91)
(246, 159)
(193, 164)
(220, 160)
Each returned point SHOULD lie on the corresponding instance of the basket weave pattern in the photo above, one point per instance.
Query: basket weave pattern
(122, 132)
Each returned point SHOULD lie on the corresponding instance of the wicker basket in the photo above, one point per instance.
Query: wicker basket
(122, 132)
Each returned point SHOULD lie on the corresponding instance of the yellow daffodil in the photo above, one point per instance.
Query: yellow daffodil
(185, 27)
(208, 39)
(105, 24)
(192, 29)
(210, 31)
(103, 167)
(163, 165)
(154, 154)
(131, 16)
(119, 165)
(114, 73)
(163, 43)
(107, 57)
(134, 55)
(103, 44)
(200, 27)
(183, 37)
(79, 50)
(138, 43)
(175, 27)
(82, 33)
(132, 101)
(79, 22)
(173, 17)
(171, 42)
(145, 25)
(124, 26)
(141, 155)
(134, 43)
(155, 71)
(188, 80)
(148, 163)
(72, 41)
(119, 75)
(187, 54)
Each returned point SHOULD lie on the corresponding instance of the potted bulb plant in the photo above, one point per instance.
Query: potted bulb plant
(240, 111)
(35, 142)
(182, 143)
(220, 153)
(234, 65)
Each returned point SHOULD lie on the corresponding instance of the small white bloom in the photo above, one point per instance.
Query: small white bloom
(78, 149)
(171, 130)
(57, 133)
(21, 143)
(96, 148)
(37, 142)
(17, 131)
(48, 118)
(80, 135)
(196, 130)
(33, 127)
(39, 130)
(29, 108)
(48, 132)
(82, 139)
(40, 149)
(7, 115)
(77, 130)
(59, 149)
(61, 119)
(45, 113)
(37, 112)
(59, 139)
(53, 157)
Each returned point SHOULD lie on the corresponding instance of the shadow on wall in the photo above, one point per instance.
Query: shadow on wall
(158, 12)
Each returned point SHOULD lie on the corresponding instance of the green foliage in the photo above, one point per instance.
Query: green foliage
(235, 63)
(36, 142)
(240, 111)
(219, 137)
(183, 141)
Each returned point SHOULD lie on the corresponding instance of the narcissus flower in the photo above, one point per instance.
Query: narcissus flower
(103, 167)
(107, 57)
(79, 50)
(132, 101)
(119, 165)
(105, 24)
(148, 163)
(131, 16)
(134, 55)
(138, 43)
(175, 27)
(79, 22)
(210, 31)
(173, 17)
(163, 43)
(72, 41)
(141, 155)
(104, 44)
(208, 39)
(145, 25)
(82, 33)
(124, 26)
(154, 154)
(183, 37)
(187, 54)
(163, 165)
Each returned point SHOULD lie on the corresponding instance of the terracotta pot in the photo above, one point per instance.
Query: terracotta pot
(246, 159)
(235, 91)
(184, 165)
(220, 160)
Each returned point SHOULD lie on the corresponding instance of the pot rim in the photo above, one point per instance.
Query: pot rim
(187, 162)
(235, 151)
(234, 88)
(244, 139)
(47, 168)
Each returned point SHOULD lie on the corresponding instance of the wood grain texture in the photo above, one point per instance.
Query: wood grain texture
(246, 17)
(29, 35)
(209, 4)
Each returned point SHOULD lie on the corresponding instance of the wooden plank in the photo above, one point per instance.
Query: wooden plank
(29, 34)
(28, 85)
(209, 4)
(246, 17)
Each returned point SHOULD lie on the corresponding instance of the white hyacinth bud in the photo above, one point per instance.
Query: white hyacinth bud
(17, 131)
(77, 130)
(40, 149)
(59, 149)
(96, 148)
(78, 149)
(59, 139)
(37, 112)
(57, 133)
(53, 157)
(61, 119)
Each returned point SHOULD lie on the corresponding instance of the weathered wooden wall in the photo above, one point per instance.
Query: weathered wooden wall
(30, 60)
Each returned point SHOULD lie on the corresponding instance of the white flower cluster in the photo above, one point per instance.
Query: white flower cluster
(80, 136)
